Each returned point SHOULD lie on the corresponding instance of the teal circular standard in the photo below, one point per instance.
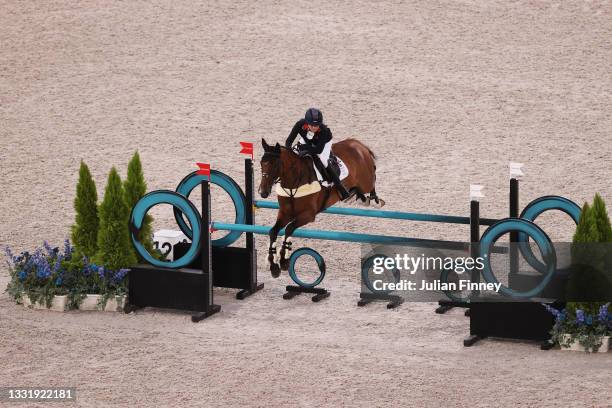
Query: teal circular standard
(228, 184)
(451, 295)
(178, 202)
(495, 231)
(365, 278)
(320, 263)
(532, 211)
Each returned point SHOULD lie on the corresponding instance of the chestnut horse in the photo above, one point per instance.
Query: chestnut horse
(282, 165)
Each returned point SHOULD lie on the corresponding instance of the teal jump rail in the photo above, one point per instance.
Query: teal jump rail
(344, 236)
(396, 215)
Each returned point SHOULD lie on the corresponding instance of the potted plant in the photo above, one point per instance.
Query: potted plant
(577, 330)
(37, 278)
(586, 322)
(56, 279)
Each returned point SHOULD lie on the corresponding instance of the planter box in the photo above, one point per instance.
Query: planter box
(89, 303)
(576, 346)
(58, 304)
(112, 305)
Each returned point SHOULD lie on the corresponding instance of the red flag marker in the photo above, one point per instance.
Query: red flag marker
(204, 169)
(247, 148)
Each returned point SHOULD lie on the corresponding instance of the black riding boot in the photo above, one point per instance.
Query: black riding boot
(330, 175)
(344, 194)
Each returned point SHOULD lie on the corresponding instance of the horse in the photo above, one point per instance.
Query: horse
(282, 165)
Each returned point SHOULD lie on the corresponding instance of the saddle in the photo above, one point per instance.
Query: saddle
(333, 165)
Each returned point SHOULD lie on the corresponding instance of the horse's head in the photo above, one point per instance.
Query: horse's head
(270, 168)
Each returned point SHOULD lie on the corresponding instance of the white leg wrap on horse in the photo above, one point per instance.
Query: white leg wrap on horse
(287, 246)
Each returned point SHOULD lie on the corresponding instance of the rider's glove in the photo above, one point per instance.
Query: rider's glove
(304, 150)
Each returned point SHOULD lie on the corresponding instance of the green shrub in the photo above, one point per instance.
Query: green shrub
(85, 229)
(135, 188)
(589, 281)
(587, 316)
(115, 249)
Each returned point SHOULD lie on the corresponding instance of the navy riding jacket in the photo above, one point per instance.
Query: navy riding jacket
(314, 145)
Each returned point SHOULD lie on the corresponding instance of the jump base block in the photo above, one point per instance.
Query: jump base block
(393, 300)
(293, 291)
(510, 320)
(231, 268)
(183, 289)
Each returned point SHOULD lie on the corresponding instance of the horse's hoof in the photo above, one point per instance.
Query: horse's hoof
(275, 270)
(284, 264)
(381, 202)
(366, 202)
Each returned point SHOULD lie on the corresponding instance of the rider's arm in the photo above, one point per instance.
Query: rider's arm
(298, 129)
(325, 136)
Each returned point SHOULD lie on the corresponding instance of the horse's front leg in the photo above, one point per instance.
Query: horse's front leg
(273, 234)
(300, 221)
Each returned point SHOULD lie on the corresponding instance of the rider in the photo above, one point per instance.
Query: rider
(315, 140)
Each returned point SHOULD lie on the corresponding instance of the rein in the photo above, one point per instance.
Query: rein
(294, 168)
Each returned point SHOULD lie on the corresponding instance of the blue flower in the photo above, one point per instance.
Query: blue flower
(563, 315)
(8, 253)
(58, 264)
(12, 259)
(48, 248)
(22, 275)
(589, 320)
(101, 272)
(559, 315)
(43, 270)
(119, 275)
(603, 314)
(89, 268)
(67, 248)
(580, 316)
(58, 282)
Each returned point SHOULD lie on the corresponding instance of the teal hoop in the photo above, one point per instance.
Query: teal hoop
(365, 268)
(320, 263)
(228, 184)
(532, 211)
(444, 279)
(178, 202)
(495, 231)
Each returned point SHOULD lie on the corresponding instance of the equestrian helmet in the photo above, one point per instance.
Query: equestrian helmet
(314, 117)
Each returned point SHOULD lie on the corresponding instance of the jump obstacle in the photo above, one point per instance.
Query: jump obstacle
(186, 282)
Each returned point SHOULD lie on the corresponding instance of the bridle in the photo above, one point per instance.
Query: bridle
(268, 156)
(274, 157)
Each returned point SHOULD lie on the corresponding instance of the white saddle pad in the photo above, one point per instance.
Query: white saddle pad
(313, 187)
(344, 172)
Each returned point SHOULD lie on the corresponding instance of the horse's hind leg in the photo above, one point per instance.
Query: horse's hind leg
(374, 197)
(359, 196)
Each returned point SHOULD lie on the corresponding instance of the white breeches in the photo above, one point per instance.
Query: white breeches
(324, 155)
